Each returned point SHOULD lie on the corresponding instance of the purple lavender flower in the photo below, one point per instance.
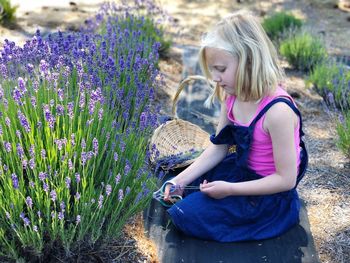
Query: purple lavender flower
(7, 121)
(70, 107)
(29, 202)
(95, 145)
(20, 151)
(68, 182)
(120, 195)
(59, 109)
(60, 215)
(72, 139)
(70, 164)
(77, 196)
(35, 85)
(100, 114)
(33, 101)
(53, 195)
(23, 121)
(127, 168)
(143, 120)
(60, 143)
(14, 181)
(8, 216)
(43, 67)
(52, 103)
(43, 153)
(77, 177)
(108, 189)
(100, 201)
(32, 151)
(31, 184)
(42, 176)
(35, 228)
(62, 206)
(18, 134)
(24, 163)
(83, 144)
(117, 179)
(1, 130)
(39, 213)
(115, 156)
(82, 100)
(48, 116)
(78, 219)
(46, 187)
(83, 158)
(8, 146)
(22, 85)
(17, 96)
(32, 164)
(26, 221)
(60, 95)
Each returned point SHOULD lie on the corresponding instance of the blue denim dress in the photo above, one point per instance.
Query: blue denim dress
(239, 218)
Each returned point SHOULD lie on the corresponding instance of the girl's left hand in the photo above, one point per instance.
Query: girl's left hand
(215, 189)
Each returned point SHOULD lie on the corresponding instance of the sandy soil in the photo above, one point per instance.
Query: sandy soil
(326, 187)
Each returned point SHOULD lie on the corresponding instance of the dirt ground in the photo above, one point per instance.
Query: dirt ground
(326, 186)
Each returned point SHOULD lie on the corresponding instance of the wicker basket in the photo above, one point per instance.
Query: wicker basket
(178, 142)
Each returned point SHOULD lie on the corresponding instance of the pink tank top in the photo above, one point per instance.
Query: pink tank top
(260, 158)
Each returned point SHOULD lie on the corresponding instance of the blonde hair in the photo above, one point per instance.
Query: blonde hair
(242, 35)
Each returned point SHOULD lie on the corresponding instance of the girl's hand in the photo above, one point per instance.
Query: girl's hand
(171, 189)
(216, 189)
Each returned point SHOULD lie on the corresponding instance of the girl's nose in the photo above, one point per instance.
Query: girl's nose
(216, 78)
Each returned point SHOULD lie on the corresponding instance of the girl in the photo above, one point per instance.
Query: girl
(249, 194)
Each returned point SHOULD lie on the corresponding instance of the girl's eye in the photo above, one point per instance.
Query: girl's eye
(220, 69)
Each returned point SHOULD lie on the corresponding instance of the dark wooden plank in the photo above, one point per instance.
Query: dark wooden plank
(295, 246)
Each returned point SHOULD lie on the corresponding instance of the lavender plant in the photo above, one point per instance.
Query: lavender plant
(343, 130)
(75, 116)
(332, 82)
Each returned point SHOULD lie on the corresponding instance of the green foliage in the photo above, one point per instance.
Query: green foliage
(343, 130)
(277, 24)
(303, 51)
(7, 12)
(332, 82)
(157, 33)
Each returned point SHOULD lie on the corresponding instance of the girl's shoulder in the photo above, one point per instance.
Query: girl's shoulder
(279, 92)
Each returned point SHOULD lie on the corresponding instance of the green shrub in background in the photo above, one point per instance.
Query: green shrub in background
(303, 51)
(343, 130)
(7, 12)
(332, 81)
(277, 24)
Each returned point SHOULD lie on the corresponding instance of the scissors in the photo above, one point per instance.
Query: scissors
(173, 198)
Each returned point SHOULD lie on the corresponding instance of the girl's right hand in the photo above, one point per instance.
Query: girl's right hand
(172, 189)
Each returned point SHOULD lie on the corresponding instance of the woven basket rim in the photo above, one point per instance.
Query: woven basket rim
(165, 129)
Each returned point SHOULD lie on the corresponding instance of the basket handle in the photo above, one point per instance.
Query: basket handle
(181, 87)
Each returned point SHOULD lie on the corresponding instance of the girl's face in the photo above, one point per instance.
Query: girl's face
(222, 66)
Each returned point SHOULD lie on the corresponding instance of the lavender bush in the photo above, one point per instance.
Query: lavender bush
(76, 115)
(332, 81)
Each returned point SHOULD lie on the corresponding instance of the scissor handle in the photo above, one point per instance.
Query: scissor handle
(159, 195)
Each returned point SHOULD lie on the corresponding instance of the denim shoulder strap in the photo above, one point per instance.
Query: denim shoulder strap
(270, 104)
